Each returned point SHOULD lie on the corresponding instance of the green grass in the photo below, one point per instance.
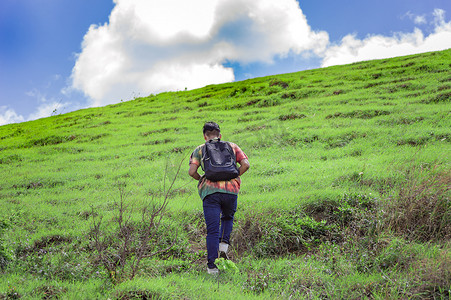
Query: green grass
(347, 196)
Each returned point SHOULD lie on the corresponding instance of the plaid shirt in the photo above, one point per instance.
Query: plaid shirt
(207, 187)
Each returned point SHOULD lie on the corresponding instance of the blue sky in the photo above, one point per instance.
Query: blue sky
(62, 55)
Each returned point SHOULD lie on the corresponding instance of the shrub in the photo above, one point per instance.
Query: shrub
(282, 233)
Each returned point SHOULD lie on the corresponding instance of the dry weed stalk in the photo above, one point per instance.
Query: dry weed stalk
(123, 243)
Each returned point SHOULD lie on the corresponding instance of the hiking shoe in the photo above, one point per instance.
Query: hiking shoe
(223, 247)
(213, 271)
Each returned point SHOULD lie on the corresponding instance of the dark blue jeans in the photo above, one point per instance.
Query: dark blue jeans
(218, 208)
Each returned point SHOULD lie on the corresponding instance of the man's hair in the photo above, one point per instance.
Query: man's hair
(211, 129)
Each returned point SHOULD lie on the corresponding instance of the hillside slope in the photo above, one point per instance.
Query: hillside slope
(345, 161)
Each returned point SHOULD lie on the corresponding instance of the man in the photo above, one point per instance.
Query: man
(219, 197)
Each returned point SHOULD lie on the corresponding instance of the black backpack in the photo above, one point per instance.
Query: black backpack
(219, 161)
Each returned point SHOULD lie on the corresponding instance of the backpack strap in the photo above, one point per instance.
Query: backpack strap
(202, 155)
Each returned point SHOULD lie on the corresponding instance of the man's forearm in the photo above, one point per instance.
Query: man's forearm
(196, 176)
(193, 171)
(244, 166)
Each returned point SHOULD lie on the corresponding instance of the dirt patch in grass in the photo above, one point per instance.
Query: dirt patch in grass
(42, 244)
(155, 131)
(408, 65)
(376, 75)
(338, 92)
(163, 130)
(440, 98)
(360, 114)
(278, 82)
(292, 116)
(180, 149)
(256, 127)
(414, 141)
(158, 142)
(146, 113)
(101, 124)
(30, 185)
(401, 121)
(373, 84)
(443, 88)
(252, 102)
(291, 95)
(99, 136)
(10, 159)
(343, 140)
(50, 140)
(51, 240)
(139, 294)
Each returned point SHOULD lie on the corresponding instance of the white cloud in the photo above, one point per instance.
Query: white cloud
(8, 115)
(352, 49)
(44, 110)
(417, 19)
(420, 20)
(153, 46)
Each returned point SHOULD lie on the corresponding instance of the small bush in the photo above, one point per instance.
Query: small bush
(280, 234)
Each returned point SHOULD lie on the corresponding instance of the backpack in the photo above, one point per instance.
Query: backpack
(219, 161)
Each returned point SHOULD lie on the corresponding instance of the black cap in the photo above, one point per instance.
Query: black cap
(211, 126)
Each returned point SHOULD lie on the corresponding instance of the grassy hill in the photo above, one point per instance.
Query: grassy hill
(347, 196)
